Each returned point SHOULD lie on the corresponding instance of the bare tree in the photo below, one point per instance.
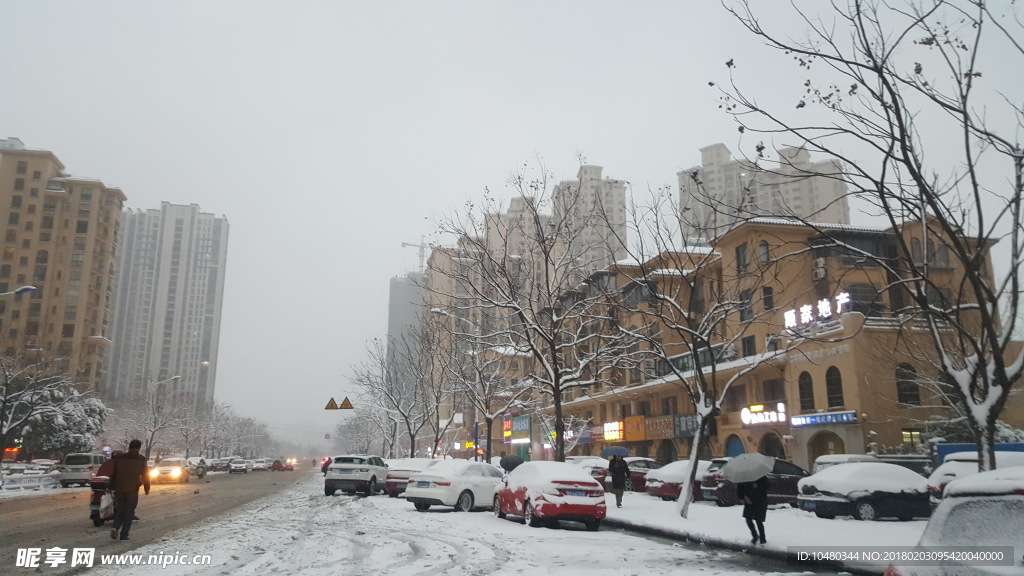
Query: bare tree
(909, 97)
(152, 412)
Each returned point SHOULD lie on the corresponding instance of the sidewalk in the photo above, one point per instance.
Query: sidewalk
(725, 528)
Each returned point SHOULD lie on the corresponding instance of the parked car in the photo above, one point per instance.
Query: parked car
(985, 509)
(639, 466)
(782, 485)
(462, 484)
(240, 466)
(666, 482)
(400, 470)
(279, 466)
(79, 468)
(597, 468)
(829, 460)
(170, 470)
(961, 464)
(261, 464)
(353, 472)
(550, 491)
(866, 491)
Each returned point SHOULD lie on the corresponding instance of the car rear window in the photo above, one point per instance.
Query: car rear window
(77, 459)
(983, 521)
(349, 460)
(715, 467)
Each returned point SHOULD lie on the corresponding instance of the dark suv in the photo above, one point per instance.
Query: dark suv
(782, 484)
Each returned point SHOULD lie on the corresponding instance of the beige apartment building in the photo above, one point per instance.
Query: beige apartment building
(60, 235)
(712, 195)
(859, 380)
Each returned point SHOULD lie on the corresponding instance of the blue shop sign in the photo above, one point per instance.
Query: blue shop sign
(826, 418)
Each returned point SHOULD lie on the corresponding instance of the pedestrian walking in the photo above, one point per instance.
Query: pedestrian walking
(131, 471)
(619, 470)
(754, 496)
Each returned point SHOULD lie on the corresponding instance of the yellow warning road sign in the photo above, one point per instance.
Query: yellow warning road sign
(332, 405)
(345, 404)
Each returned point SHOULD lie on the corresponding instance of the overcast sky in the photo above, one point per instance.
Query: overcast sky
(328, 133)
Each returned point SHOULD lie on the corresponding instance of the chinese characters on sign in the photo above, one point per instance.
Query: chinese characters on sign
(826, 418)
(823, 309)
(613, 431)
(759, 414)
(30, 557)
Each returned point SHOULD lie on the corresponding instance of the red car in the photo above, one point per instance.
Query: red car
(639, 466)
(542, 491)
(782, 484)
(282, 466)
(666, 482)
(400, 470)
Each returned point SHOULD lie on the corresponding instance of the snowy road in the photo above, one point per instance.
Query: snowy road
(301, 531)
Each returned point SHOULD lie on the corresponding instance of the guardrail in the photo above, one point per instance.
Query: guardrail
(30, 481)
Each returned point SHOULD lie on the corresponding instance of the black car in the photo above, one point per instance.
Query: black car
(782, 484)
(866, 491)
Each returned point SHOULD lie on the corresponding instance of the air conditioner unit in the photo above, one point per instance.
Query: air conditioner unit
(819, 262)
(818, 273)
(650, 368)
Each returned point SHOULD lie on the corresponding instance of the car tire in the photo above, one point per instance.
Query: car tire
(593, 524)
(371, 486)
(629, 485)
(722, 503)
(865, 511)
(63, 484)
(421, 506)
(825, 515)
(97, 521)
(392, 494)
(497, 508)
(529, 517)
(329, 490)
(465, 502)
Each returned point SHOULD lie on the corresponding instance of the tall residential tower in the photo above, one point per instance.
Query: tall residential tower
(168, 298)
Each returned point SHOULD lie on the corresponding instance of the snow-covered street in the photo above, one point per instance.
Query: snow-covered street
(301, 531)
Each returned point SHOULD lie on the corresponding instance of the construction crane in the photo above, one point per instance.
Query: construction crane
(423, 250)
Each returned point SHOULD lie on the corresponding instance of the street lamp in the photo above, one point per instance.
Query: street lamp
(21, 290)
(476, 411)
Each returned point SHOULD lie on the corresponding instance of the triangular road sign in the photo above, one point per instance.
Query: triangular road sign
(332, 405)
(345, 404)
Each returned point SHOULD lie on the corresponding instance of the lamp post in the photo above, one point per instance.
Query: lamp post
(476, 412)
(21, 290)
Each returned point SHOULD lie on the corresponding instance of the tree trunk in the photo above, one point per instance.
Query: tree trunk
(686, 490)
(488, 422)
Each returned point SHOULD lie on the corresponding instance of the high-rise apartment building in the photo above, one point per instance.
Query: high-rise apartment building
(60, 235)
(168, 298)
(714, 195)
(596, 207)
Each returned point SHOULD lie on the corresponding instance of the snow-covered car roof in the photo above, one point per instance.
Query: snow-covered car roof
(411, 464)
(999, 481)
(598, 462)
(547, 471)
(676, 471)
(449, 467)
(958, 468)
(864, 477)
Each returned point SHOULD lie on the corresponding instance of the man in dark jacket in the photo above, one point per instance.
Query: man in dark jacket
(131, 470)
(619, 471)
(754, 496)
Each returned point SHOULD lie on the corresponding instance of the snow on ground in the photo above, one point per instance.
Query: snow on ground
(301, 531)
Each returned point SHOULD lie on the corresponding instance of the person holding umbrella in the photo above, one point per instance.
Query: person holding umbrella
(749, 472)
(619, 471)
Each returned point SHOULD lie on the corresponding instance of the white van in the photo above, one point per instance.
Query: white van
(828, 460)
(79, 468)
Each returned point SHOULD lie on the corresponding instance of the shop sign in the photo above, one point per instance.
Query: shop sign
(816, 312)
(613, 431)
(826, 418)
(635, 430)
(597, 432)
(759, 414)
(584, 435)
(687, 425)
(521, 430)
(659, 427)
(506, 428)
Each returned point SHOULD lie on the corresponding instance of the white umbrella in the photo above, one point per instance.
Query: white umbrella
(748, 467)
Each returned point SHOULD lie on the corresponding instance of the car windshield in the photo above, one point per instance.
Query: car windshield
(239, 462)
(349, 460)
(77, 459)
(171, 462)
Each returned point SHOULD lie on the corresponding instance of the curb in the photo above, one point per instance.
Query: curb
(778, 555)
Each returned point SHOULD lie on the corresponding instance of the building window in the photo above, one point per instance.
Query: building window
(39, 275)
(12, 235)
(907, 390)
(749, 347)
(626, 410)
(742, 262)
(774, 390)
(16, 201)
(22, 167)
(915, 250)
(34, 309)
(864, 299)
(911, 438)
(644, 408)
(82, 227)
(79, 243)
(19, 183)
(42, 257)
(762, 252)
(746, 307)
(736, 398)
(70, 313)
(77, 260)
(12, 218)
(68, 331)
(834, 387)
(806, 386)
(767, 298)
(36, 175)
(668, 406)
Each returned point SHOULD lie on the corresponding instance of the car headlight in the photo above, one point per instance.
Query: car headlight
(176, 472)
(154, 473)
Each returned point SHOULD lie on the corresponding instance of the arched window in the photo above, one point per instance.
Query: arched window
(915, 250)
(806, 386)
(834, 387)
(42, 257)
(907, 390)
(931, 251)
(762, 252)
(943, 259)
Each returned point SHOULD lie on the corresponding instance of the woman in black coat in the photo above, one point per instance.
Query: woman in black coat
(619, 470)
(754, 496)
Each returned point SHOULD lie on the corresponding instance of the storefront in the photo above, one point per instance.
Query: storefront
(765, 426)
(660, 433)
(521, 437)
(825, 433)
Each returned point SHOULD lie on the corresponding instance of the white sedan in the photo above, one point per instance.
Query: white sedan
(463, 484)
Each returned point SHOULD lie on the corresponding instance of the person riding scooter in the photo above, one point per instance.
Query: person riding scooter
(201, 468)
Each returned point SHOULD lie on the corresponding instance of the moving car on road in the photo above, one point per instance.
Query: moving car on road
(79, 468)
(240, 466)
(542, 491)
(866, 491)
(277, 465)
(171, 470)
(353, 472)
(462, 484)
